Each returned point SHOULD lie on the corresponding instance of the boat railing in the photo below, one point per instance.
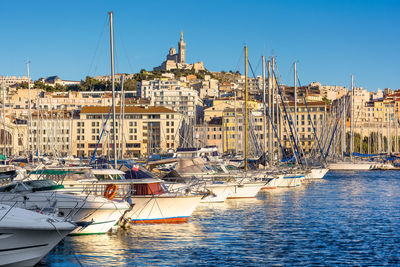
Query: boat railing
(99, 188)
(191, 185)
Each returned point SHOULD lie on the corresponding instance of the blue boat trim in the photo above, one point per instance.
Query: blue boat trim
(293, 177)
(166, 218)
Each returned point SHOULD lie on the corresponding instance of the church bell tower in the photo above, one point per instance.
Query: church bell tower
(182, 50)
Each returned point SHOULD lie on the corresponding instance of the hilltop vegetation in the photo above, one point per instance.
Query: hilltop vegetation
(92, 84)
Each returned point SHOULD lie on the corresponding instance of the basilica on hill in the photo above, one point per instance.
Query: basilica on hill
(178, 60)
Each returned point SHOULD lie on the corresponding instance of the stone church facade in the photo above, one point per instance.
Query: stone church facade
(178, 60)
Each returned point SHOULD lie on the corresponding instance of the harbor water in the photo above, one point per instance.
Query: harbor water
(346, 219)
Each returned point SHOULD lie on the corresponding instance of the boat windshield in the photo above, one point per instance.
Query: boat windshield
(102, 177)
(232, 168)
(41, 185)
(13, 188)
(147, 189)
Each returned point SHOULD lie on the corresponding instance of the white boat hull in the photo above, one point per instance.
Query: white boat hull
(349, 166)
(26, 237)
(291, 180)
(162, 209)
(274, 183)
(103, 220)
(219, 193)
(245, 190)
(101, 213)
(27, 247)
(317, 173)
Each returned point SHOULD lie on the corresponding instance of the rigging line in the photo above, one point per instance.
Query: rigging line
(115, 52)
(291, 124)
(258, 64)
(101, 135)
(333, 134)
(239, 61)
(126, 52)
(287, 132)
(288, 117)
(309, 117)
(269, 117)
(331, 121)
(99, 57)
(98, 45)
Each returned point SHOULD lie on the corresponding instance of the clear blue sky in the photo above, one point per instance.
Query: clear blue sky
(330, 40)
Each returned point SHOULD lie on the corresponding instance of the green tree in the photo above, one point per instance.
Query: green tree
(130, 85)
(327, 101)
(22, 85)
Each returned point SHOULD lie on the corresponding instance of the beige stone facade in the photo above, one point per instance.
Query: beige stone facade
(146, 130)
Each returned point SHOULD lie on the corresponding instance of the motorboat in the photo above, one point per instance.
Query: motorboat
(213, 191)
(97, 214)
(237, 183)
(150, 199)
(27, 236)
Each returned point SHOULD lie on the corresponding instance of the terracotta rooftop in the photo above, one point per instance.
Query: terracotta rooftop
(128, 109)
(309, 103)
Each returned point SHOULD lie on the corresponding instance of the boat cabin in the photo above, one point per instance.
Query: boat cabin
(31, 186)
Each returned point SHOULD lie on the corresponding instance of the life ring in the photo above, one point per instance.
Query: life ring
(111, 191)
(22, 165)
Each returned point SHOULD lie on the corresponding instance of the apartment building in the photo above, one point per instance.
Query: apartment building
(51, 133)
(145, 130)
(311, 119)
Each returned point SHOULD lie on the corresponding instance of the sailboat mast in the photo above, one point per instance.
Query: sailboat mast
(39, 127)
(113, 88)
(344, 126)
(295, 96)
(265, 112)
(361, 126)
(30, 113)
(245, 109)
(4, 118)
(122, 115)
(396, 145)
(352, 119)
(274, 103)
(270, 135)
(389, 135)
(236, 127)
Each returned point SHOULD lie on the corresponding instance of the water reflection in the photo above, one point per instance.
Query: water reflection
(349, 218)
